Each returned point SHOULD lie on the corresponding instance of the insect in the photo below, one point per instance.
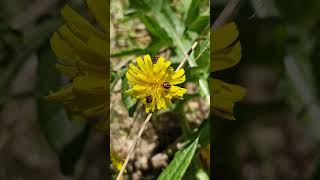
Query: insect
(155, 59)
(149, 99)
(166, 85)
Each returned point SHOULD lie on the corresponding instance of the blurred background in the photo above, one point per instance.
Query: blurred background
(37, 141)
(276, 134)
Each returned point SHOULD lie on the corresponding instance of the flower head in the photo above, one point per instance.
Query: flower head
(82, 50)
(153, 82)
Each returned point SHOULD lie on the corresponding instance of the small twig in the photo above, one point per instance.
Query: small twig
(134, 145)
(226, 14)
(187, 55)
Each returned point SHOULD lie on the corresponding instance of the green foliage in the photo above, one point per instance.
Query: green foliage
(66, 138)
(180, 163)
(128, 102)
(54, 122)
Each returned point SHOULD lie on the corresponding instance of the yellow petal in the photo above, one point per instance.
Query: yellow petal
(96, 111)
(148, 61)
(178, 80)
(226, 58)
(100, 9)
(100, 47)
(224, 96)
(63, 94)
(115, 159)
(228, 91)
(139, 88)
(131, 79)
(90, 85)
(178, 74)
(79, 24)
(161, 65)
(177, 92)
(134, 68)
(70, 71)
(141, 64)
(224, 36)
(73, 40)
(63, 50)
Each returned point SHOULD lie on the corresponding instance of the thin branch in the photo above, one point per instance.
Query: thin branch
(134, 145)
(187, 55)
(227, 13)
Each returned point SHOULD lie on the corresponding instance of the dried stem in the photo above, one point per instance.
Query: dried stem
(187, 55)
(134, 145)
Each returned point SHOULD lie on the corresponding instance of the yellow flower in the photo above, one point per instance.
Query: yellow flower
(116, 160)
(153, 82)
(82, 49)
(226, 52)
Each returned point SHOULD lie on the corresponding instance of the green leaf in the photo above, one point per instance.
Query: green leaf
(180, 163)
(182, 43)
(156, 44)
(126, 99)
(202, 54)
(58, 129)
(173, 19)
(204, 133)
(147, 5)
(200, 23)
(71, 153)
(194, 74)
(153, 27)
(204, 87)
(127, 52)
(115, 76)
(202, 175)
(193, 12)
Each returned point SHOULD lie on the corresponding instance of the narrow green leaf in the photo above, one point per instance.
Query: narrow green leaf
(58, 129)
(182, 43)
(194, 74)
(178, 166)
(202, 54)
(200, 23)
(173, 19)
(193, 12)
(153, 27)
(204, 133)
(147, 5)
(127, 52)
(126, 99)
(202, 175)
